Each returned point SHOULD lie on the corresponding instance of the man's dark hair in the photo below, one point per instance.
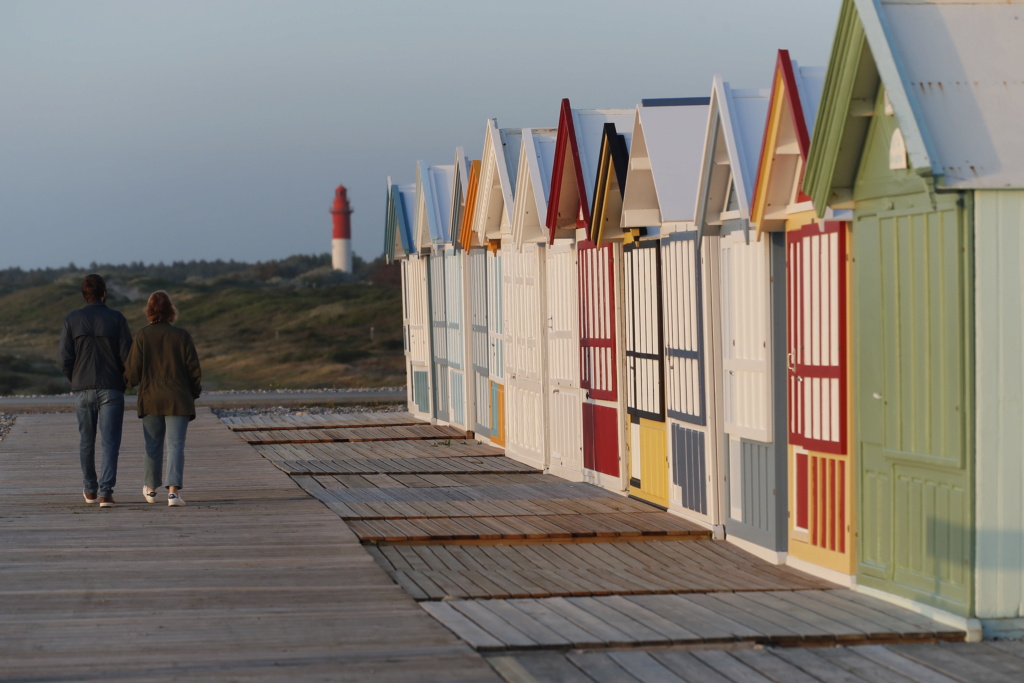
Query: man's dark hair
(93, 288)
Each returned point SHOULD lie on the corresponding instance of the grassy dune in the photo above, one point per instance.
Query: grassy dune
(253, 330)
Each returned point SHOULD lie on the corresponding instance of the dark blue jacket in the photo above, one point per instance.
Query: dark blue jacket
(94, 344)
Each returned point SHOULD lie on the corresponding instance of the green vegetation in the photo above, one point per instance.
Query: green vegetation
(292, 324)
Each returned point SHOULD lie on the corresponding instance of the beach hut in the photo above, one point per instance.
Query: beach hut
(750, 324)
(400, 247)
(640, 299)
(525, 302)
(457, 304)
(574, 173)
(918, 134)
(492, 219)
(660, 192)
(478, 350)
(434, 191)
(820, 464)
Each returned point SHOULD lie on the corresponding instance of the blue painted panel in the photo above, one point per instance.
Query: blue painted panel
(689, 470)
(421, 390)
(757, 468)
(761, 466)
(458, 397)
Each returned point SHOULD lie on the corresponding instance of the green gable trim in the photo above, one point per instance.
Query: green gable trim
(836, 132)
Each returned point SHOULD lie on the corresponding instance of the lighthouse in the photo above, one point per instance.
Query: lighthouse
(341, 244)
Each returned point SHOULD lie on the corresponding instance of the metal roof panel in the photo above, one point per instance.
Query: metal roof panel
(674, 137)
(960, 63)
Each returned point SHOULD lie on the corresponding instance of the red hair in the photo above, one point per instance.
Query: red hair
(159, 309)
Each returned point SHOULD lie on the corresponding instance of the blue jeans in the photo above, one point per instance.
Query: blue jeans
(164, 432)
(102, 408)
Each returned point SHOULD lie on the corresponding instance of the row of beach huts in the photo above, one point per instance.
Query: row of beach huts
(793, 314)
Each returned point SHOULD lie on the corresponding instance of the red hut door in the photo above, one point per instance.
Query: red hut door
(817, 386)
(597, 358)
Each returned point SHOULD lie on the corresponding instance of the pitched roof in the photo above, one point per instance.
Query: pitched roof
(398, 241)
(496, 189)
(731, 147)
(951, 71)
(665, 161)
(457, 199)
(466, 237)
(575, 164)
(793, 105)
(533, 183)
(613, 159)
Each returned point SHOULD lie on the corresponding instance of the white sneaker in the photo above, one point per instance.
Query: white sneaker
(148, 494)
(174, 500)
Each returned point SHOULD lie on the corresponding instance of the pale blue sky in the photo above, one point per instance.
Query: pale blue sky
(153, 130)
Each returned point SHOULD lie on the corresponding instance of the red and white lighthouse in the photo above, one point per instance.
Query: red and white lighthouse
(341, 244)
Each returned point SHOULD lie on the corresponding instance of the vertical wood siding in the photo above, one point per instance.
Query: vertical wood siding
(645, 359)
(479, 341)
(419, 340)
(912, 321)
(524, 304)
(421, 390)
(563, 353)
(601, 439)
(439, 337)
(753, 311)
(821, 483)
(597, 322)
(999, 320)
(816, 332)
(495, 318)
(684, 329)
(496, 345)
(689, 468)
(746, 344)
(454, 263)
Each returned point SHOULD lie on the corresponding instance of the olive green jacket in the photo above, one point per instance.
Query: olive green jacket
(164, 363)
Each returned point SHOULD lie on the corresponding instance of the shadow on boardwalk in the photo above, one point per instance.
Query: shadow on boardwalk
(560, 581)
(253, 580)
(550, 581)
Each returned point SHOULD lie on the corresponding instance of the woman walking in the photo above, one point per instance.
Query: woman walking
(164, 363)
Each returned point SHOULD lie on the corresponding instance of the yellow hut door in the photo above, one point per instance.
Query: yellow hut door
(645, 372)
(817, 372)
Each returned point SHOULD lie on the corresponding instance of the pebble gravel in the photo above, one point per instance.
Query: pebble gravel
(279, 411)
(6, 422)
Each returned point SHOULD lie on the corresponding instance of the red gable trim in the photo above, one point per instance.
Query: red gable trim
(566, 142)
(784, 66)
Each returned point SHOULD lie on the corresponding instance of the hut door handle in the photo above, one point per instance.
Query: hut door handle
(877, 396)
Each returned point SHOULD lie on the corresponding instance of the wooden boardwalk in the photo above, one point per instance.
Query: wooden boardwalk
(512, 559)
(253, 580)
(989, 662)
(256, 579)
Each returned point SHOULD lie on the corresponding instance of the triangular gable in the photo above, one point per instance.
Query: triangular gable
(787, 139)
(442, 180)
(392, 249)
(609, 186)
(613, 159)
(466, 236)
(496, 190)
(731, 146)
(423, 211)
(665, 161)
(533, 181)
(398, 242)
(574, 171)
(951, 75)
(457, 203)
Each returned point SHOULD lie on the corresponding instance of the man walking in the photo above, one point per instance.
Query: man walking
(94, 344)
